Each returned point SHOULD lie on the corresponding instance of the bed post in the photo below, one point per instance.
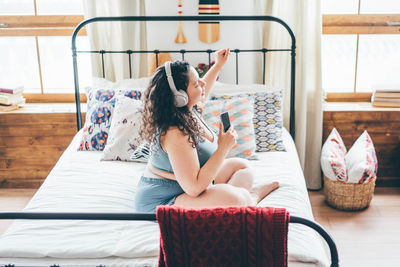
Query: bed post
(76, 81)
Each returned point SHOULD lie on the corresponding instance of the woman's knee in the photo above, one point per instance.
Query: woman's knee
(239, 163)
(232, 195)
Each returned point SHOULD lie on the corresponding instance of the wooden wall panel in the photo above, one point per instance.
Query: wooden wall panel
(384, 129)
(31, 144)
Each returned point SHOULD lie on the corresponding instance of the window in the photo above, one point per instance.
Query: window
(360, 47)
(35, 42)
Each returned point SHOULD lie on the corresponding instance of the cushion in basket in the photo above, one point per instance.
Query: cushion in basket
(267, 118)
(333, 157)
(100, 108)
(361, 161)
(123, 137)
(241, 116)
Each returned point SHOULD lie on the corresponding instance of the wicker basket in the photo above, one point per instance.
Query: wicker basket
(348, 196)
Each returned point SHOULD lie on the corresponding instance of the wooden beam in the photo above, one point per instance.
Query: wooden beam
(40, 21)
(361, 24)
(40, 32)
(40, 25)
(361, 30)
(53, 98)
(348, 97)
(359, 20)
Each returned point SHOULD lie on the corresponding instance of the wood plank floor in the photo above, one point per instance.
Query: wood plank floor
(367, 238)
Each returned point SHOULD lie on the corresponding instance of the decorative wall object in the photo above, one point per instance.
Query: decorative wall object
(208, 30)
(180, 37)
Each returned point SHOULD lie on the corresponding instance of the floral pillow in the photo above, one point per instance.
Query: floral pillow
(333, 155)
(100, 108)
(361, 161)
(101, 95)
(241, 116)
(95, 130)
(123, 137)
(267, 118)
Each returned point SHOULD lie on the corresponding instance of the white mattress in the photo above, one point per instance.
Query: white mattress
(80, 182)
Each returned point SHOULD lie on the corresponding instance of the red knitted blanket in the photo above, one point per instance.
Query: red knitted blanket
(233, 236)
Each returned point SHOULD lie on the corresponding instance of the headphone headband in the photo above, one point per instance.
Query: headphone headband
(169, 77)
(180, 97)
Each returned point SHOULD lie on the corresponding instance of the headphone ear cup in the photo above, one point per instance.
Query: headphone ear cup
(181, 98)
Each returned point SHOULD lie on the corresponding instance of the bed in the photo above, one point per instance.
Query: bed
(82, 193)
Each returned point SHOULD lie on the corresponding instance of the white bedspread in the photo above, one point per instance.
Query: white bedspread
(80, 182)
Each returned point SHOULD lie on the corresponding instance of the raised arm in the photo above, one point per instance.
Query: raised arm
(221, 56)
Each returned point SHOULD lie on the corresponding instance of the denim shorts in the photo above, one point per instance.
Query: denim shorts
(152, 192)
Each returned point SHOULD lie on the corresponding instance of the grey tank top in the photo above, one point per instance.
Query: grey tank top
(160, 160)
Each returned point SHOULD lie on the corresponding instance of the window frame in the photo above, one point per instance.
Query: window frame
(358, 24)
(42, 25)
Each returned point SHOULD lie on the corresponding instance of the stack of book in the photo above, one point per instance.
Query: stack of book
(11, 98)
(386, 98)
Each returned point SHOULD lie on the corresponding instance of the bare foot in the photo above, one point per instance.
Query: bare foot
(262, 190)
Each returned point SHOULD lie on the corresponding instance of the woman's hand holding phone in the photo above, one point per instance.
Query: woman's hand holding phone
(227, 135)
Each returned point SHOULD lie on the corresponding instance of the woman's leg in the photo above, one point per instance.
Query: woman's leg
(219, 195)
(236, 172)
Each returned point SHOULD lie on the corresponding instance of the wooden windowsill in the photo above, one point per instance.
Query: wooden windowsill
(354, 106)
(32, 108)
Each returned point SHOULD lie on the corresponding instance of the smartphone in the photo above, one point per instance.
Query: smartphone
(226, 123)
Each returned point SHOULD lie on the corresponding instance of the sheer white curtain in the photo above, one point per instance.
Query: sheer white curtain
(305, 19)
(117, 36)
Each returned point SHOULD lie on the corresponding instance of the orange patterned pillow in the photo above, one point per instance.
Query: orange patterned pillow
(241, 115)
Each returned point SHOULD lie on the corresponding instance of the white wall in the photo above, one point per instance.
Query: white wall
(161, 35)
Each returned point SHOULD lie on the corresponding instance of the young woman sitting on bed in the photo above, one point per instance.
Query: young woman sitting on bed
(188, 165)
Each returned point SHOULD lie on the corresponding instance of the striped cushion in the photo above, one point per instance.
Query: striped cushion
(142, 153)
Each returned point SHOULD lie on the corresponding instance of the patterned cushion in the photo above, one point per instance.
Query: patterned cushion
(101, 95)
(267, 118)
(241, 115)
(333, 157)
(96, 128)
(123, 137)
(361, 161)
(100, 107)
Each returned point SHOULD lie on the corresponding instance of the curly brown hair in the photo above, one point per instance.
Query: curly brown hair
(159, 111)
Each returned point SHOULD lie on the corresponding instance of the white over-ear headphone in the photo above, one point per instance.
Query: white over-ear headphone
(181, 98)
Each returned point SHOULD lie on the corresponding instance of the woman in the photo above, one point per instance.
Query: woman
(188, 165)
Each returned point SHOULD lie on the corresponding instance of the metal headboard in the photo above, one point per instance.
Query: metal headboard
(183, 51)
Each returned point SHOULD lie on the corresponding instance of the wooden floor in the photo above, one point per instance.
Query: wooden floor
(366, 238)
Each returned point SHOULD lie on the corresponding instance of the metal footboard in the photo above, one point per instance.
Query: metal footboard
(149, 217)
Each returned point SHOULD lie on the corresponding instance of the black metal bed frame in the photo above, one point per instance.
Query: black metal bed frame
(152, 216)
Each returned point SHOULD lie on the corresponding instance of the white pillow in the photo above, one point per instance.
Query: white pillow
(123, 137)
(333, 157)
(361, 161)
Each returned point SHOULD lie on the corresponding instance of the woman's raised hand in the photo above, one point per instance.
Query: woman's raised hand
(221, 56)
(226, 140)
